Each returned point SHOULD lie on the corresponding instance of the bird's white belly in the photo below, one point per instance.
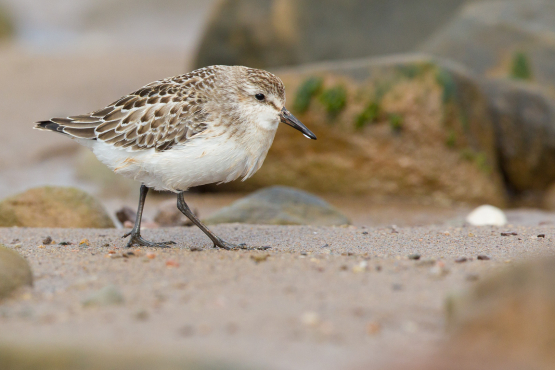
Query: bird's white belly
(201, 161)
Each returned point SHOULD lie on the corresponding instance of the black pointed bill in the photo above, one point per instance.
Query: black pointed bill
(291, 120)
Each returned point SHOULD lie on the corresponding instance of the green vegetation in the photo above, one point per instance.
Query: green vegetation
(479, 158)
(396, 122)
(521, 69)
(446, 81)
(451, 139)
(368, 115)
(334, 100)
(306, 91)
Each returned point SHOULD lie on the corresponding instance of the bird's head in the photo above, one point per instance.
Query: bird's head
(262, 94)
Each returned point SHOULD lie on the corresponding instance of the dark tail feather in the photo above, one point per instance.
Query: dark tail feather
(49, 125)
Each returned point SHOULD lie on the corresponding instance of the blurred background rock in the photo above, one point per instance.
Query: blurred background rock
(447, 103)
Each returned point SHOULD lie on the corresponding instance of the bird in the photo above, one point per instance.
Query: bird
(211, 125)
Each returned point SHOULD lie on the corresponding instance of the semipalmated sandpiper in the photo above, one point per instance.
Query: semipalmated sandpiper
(212, 125)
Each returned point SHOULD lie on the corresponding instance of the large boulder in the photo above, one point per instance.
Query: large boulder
(501, 38)
(403, 126)
(523, 115)
(14, 271)
(280, 205)
(51, 206)
(265, 33)
(509, 316)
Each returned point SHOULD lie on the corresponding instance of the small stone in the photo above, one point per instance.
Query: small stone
(414, 256)
(461, 260)
(365, 233)
(151, 255)
(195, 249)
(47, 240)
(310, 318)
(361, 267)
(84, 242)
(141, 315)
(487, 215)
(17, 246)
(128, 224)
(42, 246)
(171, 263)
(373, 328)
(439, 270)
(483, 257)
(472, 277)
(126, 213)
(14, 271)
(541, 235)
(65, 243)
(109, 295)
(510, 233)
(259, 257)
(303, 253)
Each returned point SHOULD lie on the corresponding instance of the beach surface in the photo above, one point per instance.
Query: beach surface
(318, 298)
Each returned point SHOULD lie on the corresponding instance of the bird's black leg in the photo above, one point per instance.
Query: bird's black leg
(184, 208)
(135, 233)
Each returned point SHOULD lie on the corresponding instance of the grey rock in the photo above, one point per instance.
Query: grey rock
(107, 296)
(14, 271)
(266, 33)
(280, 205)
(168, 215)
(490, 36)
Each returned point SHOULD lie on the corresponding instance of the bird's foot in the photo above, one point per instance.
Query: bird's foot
(137, 239)
(228, 246)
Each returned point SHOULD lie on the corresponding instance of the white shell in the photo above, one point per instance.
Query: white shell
(487, 215)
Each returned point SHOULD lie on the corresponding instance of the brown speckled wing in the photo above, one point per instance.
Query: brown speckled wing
(159, 115)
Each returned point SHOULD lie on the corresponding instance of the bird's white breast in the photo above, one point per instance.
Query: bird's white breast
(210, 157)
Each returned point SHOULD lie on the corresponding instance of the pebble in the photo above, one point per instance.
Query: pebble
(151, 255)
(461, 260)
(414, 256)
(107, 296)
(510, 233)
(172, 263)
(486, 215)
(439, 270)
(259, 257)
(195, 249)
(47, 240)
(541, 235)
(482, 257)
(373, 328)
(310, 318)
(84, 241)
(361, 267)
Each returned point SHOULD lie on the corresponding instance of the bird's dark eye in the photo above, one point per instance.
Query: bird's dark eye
(259, 96)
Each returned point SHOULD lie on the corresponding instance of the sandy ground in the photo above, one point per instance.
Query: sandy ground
(323, 298)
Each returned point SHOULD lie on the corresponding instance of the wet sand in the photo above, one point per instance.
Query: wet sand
(319, 298)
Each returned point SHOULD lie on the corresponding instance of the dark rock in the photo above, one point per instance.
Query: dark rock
(265, 33)
(414, 256)
(483, 257)
(280, 205)
(461, 260)
(14, 271)
(51, 206)
(524, 119)
(126, 214)
(168, 215)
